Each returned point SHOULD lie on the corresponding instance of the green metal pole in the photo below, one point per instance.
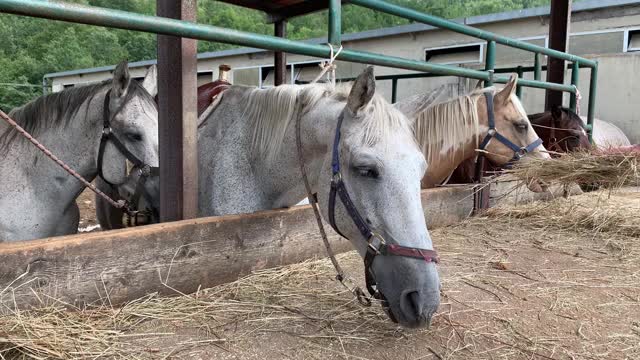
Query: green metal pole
(394, 90)
(537, 72)
(592, 101)
(335, 22)
(414, 15)
(575, 74)
(520, 73)
(490, 61)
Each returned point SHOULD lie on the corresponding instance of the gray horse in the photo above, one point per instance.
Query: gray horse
(37, 197)
(248, 162)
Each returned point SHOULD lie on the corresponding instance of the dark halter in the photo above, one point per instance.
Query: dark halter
(376, 244)
(518, 151)
(144, 170)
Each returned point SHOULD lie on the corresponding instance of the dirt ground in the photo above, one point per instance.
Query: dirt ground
(86, 203)
(511, 289)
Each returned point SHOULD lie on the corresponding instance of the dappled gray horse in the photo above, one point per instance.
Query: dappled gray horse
(248, 161)
(37, 197)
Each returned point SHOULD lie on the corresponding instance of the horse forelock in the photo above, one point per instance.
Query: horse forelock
(271, 112)
(60, 108)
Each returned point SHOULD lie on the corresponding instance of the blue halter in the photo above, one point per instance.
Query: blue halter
(518, 151)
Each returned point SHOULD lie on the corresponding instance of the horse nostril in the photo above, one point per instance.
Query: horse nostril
(411, 305)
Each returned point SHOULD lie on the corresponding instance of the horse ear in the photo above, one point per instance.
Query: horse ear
(509, 89)
(362, 90)
(413, 106)
(479, 85)
(556, 112)
(150, 82)
(121, 79)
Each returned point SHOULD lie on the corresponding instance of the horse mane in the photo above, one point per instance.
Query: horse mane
(271, 111)
(58, 109)
(446, 126)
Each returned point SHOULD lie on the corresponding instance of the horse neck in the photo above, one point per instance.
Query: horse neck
(442, 163)
(317, 129)
(76, 145)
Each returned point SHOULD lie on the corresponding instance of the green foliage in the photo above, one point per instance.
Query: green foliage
(32, 47)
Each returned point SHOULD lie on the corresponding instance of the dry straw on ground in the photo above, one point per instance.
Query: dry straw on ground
(504, 296)
(283, 299)
(608, 169)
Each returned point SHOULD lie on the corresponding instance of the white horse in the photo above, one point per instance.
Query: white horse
(248, 161)
(606, 135)
(37, 197)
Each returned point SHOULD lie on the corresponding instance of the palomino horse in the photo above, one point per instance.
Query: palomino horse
(85, 126)
(494, 121)
(560, 129)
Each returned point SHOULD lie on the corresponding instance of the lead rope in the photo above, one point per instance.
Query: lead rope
(120, 204)
(345, 280)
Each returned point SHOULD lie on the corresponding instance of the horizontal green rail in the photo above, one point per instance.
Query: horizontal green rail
(414, 15)
(132, 21)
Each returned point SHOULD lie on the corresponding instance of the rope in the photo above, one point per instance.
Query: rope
(120, 204)
(329, 66)
(578, 98)
(346, 281)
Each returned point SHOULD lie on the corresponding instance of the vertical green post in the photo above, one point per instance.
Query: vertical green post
(592, 100)
(575, 74)
(490, 61)
(335, 22)
(394, 90)
(537, 71)
(519, 87)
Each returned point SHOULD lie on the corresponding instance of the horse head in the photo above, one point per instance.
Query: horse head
(374, 159)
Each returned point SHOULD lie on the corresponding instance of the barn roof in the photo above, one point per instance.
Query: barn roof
(283, 9)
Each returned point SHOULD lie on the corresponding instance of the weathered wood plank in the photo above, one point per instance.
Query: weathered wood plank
(184, 255)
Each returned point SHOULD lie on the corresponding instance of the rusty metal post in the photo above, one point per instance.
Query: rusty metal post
(177, 116)
(279, 57)
(560, 19)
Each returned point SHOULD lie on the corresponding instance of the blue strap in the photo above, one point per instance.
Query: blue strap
(335, 161)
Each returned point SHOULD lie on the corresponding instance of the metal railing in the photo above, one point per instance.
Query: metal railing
(153, 24)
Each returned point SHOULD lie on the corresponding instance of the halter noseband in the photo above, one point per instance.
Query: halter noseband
(145, 170)
(376, 244)
(518, 151)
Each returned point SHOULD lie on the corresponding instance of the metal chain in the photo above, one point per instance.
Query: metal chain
(120, 204)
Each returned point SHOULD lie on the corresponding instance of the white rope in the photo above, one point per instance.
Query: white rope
(329, 66)
(578, 98)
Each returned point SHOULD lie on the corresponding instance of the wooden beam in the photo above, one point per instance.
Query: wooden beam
(279, 57)
(560, 19)
(177, 116)
(123, 265)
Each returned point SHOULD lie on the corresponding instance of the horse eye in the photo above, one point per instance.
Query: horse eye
(368, 172)
(134, 136)
(521, 126)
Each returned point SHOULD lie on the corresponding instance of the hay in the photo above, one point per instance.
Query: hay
(601, 212)
(286, 299)
(608, 169)
(543, 280)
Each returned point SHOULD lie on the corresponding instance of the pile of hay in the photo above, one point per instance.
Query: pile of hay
(607, 169)
(601, 212)
(288, 300)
